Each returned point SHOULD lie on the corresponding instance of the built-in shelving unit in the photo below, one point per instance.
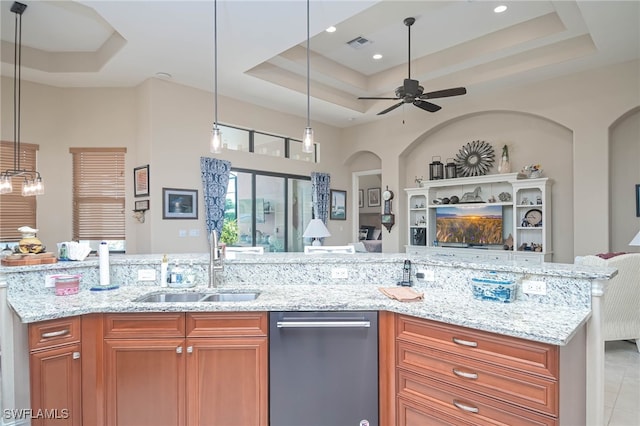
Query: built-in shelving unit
(526, 213)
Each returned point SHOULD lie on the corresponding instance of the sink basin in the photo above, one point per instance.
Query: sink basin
(172, 297)
(231, 297)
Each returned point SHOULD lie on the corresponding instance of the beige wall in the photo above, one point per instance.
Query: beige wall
(565, 124)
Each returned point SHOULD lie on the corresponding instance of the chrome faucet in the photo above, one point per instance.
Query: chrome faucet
(215, 258)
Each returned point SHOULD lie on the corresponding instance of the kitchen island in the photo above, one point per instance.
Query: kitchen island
(296, 282)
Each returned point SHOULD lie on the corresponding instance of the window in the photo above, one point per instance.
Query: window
(16, 210)
(98, 196)
(271, 209)
(235, 138)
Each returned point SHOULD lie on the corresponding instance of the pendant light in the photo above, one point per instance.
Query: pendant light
(307, 138)
(32, 184)
(216, 135)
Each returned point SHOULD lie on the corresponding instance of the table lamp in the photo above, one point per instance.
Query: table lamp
(316, 230)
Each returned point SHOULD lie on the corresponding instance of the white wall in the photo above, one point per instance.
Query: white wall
(585, 104)
(564, 124)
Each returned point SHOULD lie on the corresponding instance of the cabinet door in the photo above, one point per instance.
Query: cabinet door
(56, 393)
(145, 382)
(227, 381)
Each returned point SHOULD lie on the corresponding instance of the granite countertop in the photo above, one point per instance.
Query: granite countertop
(298, 282)
(517, 319)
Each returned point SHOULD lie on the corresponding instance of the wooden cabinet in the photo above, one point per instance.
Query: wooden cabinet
(176, 369)
(456, 375)
(55, 372)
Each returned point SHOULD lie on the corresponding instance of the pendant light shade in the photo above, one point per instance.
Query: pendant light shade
(32, 184)
(307, 138)
(215, 145)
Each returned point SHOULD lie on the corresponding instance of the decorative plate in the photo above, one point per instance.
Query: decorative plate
(474, 159)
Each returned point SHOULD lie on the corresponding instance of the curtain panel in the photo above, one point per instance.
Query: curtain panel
(215, 179)
(320, 186)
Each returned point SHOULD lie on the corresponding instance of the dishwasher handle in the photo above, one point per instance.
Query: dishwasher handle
(323, 324)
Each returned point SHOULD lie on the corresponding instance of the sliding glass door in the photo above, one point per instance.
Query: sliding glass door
(271, 209)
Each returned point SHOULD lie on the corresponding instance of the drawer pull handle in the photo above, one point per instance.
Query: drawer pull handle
(465, 342)
(465, 407)
(58, 333)
(464, 374)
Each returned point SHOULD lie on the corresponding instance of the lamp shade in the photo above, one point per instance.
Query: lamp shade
(636, 240)
(316, 229)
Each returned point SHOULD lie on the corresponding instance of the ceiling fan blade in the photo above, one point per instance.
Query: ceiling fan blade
(427, 106)
(391, 108)
(386, 99)
(455, 91)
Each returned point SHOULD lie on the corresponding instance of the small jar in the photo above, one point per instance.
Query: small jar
(67, 284)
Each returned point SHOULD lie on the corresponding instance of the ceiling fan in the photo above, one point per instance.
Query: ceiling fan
(412, 92)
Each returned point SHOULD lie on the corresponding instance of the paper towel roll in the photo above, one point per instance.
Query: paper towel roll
(103, 252)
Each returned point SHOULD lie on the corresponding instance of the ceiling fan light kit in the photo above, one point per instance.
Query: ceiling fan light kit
(412, 92)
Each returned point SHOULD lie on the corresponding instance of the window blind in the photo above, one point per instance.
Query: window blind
(98, 193)
(16, 210)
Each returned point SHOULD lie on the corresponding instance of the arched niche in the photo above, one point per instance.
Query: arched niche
(530, 139)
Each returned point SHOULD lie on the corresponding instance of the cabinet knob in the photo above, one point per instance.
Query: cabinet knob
(179, 350)
(189, 349)
(76, 355)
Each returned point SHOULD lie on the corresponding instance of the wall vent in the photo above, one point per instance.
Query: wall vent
(358, 42)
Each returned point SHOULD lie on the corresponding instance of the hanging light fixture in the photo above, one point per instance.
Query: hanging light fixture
(216, 135)
(307, 138)
(32, 184)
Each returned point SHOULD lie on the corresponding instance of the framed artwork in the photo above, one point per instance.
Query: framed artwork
(179, 203)
(637, 200)
(373, 197)
(338, 207)
(360, 198)
(141, 205)
(141, 181)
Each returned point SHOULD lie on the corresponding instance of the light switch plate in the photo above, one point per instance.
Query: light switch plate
(342, 273)
(534, 287)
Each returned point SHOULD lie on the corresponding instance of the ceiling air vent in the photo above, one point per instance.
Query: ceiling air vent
(358, 42)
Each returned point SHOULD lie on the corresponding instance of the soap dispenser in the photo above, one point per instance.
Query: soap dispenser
(164, 268)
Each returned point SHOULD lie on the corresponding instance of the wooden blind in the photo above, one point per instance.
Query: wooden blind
(98, 193)
(16, 210)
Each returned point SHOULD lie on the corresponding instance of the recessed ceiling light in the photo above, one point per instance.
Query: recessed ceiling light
(500, 9)
(331, 29)
(377, 56)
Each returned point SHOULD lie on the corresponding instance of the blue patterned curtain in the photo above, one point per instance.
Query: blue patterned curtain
(320, 185)
(215, 179)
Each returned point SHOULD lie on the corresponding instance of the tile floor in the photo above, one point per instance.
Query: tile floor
(622, 384)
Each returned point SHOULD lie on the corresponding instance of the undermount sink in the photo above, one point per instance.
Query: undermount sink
(172, 297)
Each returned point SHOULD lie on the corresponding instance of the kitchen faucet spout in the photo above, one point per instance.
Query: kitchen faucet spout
(215, 258)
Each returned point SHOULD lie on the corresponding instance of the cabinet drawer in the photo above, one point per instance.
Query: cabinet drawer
(212, 324)
(147, 325)
(444, 401)
(509, 352)
(525, 390)
(46, 334)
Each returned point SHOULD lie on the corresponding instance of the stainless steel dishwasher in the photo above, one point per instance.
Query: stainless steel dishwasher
(323, 368)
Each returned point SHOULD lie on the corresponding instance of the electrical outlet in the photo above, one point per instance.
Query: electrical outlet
(534, 287)
(342, 273)
(146, 275)
(425, 275)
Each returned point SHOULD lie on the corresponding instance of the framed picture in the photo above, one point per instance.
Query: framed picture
(141, 205)
(373, 197)
(360, 198)
(179, 203)
(338, 207)
(141, 181)
(637, 200)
